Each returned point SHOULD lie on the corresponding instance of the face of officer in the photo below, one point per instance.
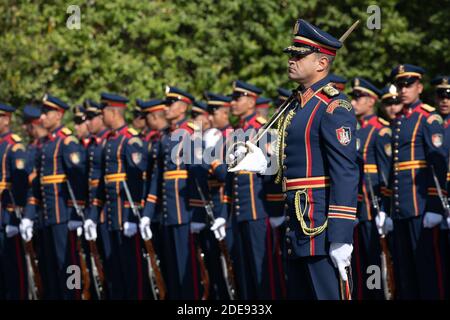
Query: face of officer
(176, 111)
(391, 109)
(81, 130)
(138, 123)
(410, 92)
(95, 124)
(243, 106)
(443, 101)
(220, 117)
(156, 120)
(363, 104)
(113, 117)
(307, 70)
(202, 121)
(51, 119)
(4, 123)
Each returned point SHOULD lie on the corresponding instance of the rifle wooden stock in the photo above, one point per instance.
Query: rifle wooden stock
(99, 279)
(203, 271)
(386, 259)
(85, 276)
(230, 279)
(33, 265)
(161, 287)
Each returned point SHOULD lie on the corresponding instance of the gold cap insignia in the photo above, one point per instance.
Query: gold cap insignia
(296, 28)
(356, 82)
(401, 68)
(445, 81)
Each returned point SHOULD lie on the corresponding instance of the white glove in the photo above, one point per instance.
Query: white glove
(211, 137)
(238, 154)
(275, 222)
(90, 230)
(129, 229)
(196, 227)
(218, 228)
(384, 223)
(74, 224)
(144, 228)
(11, 231)
(26, 229)
(341, 254)
(254, 160)
(431, 220)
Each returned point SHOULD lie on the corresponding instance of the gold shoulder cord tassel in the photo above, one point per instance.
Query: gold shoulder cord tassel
(298, 211)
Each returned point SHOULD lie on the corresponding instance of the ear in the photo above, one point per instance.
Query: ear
(322, 64)
(420, 87)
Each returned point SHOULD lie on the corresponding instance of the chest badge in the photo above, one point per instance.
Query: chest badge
(437, 139)
(344, 135)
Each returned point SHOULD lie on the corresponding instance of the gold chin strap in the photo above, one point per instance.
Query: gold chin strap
(300, 213)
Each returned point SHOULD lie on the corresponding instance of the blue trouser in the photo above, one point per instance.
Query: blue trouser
(279, 263)
(366, 253)
(251, 259)
(312, 278)
(60, 250)
(416, 252)
(128, 280)
(179, 257)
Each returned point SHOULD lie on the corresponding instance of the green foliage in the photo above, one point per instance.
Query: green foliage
(135, 48)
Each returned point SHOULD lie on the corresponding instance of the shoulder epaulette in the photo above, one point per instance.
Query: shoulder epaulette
(70, 139)
(330, 91)
(66, 131)
(132, 131)
(18, 146)
(384, 131)
(383, 122)
(191, 125)
(427, 108)
(16, 138)
(261, 120)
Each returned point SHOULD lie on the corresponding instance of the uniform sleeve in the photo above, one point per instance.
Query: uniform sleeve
(436, 159)
(338, 132)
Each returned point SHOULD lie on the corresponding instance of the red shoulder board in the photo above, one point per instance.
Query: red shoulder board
(323, 97)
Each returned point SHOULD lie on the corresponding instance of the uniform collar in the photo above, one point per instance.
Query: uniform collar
(52, 135)
(409, 109)
(246, 120)
(177, 124)
(366, 120)
(115, 133)
(306, 94)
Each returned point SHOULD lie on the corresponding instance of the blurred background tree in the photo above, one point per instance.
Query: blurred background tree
(135, 48)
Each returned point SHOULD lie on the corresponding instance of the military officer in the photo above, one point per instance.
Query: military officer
(95, 225)
(442, 97)
(14, 180)
(124, 162)
(172, 173)
(61, 165)
(254, 264)
(138, 121)
(418, 150)
(374, 151)
(318, 169)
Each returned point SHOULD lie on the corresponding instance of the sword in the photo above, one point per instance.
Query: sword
(346, 287)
